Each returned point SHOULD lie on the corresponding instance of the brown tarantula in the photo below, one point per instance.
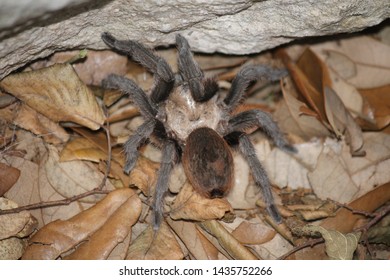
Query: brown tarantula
(190, 121)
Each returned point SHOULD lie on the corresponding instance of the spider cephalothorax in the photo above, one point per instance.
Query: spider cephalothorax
(194, 124)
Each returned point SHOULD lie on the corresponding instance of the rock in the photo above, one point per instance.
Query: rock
(226, 26)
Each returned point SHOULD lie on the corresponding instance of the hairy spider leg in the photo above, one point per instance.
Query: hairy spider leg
(247, 75)
(135, 93)
(142, 133)
(201, 88)
(138, 96)
(259, 175)
(168, 160)
(262, 120)
(164, 79)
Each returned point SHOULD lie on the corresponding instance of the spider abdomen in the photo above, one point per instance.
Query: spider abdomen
(208, 163)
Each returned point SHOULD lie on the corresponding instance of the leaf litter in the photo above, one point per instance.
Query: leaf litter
(334, 107)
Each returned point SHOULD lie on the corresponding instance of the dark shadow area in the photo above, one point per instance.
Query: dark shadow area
(51, 18)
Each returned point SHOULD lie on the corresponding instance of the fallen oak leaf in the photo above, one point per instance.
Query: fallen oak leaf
(58, 93)
(59, 237)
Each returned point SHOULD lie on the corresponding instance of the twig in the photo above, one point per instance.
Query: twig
(310, 243)
(354, 211)
(60, 202)
(377, 217)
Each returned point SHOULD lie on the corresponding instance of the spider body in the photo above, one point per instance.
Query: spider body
(181, 114)
(192, 123)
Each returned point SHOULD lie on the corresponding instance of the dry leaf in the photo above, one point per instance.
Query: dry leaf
(337, 115)
(314, 215)
(380, 233)
(120, 250)
(28, 119)
(82, 149)
(253, 232)
(94, 147)
(344, 220)
(311, 93)
(96, 66)
(341, 120)
(18, 225)
(58, 93)
(331, 179)
(273, 249)
(101, 243)
(59, 236)
(317, 73)
(97, 138)
(243, 195)
(26, 189)
(234, 248)
(71, 178)
(47, 193)
(377, 109)
(14, 228)
(349, 95)
(12, 248)
(338, 246)
(198, 246)
(160, 245)
(144, 175)
(291, 116)
(284, 169)
(363, 61)
(342, 177)
(190, 205)
(314, 81)
(8, 177)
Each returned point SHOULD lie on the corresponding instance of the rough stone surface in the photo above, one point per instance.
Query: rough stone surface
(227, 26)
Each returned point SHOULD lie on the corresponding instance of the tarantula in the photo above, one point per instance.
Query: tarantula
(191, 122)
